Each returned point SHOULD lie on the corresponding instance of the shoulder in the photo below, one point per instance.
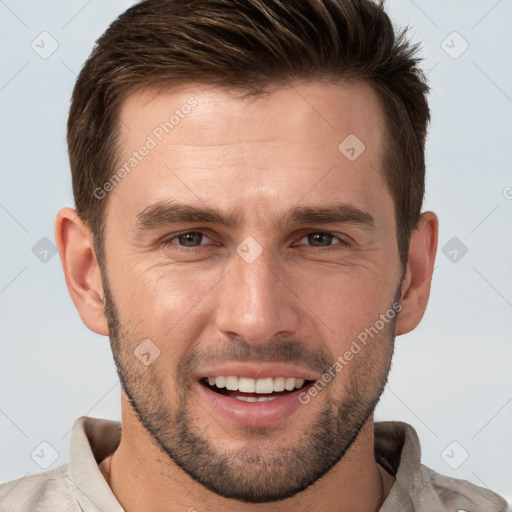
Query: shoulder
(421, 489)
(449, 492)
(47, 491)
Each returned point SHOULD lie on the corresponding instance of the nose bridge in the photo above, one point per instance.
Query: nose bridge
(255, 302)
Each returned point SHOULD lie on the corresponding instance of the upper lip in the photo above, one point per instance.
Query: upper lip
(257, 371)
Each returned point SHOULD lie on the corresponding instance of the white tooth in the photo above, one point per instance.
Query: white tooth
(232, 383)
(299, 383)
(220, 382)
(279, 384)
(265, 385)
(247, 398)
(265, 398)
(246, 385)
(289, 384)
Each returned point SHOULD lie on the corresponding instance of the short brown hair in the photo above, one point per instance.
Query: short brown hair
(249, 45)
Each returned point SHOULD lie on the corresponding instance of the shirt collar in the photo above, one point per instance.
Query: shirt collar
(396, 447)
(92, 439)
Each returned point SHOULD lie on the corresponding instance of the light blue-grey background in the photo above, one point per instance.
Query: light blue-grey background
(451, 377)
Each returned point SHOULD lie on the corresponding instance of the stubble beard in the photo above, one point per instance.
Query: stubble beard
(257, 471)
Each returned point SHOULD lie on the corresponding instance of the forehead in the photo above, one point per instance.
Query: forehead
(199, 143)
(216, 115)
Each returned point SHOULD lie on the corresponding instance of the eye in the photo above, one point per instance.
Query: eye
(322, 239)
(316, 239)
(188, 239)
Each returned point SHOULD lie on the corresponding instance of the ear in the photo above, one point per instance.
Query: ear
(418, 276)
(83, 278)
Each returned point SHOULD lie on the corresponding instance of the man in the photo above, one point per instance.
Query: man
(248, 179)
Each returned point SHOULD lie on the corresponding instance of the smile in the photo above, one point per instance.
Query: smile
(253, 390)
(254, 396)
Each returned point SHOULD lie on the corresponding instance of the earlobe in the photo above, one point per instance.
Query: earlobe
(81, 270)
(418, 277)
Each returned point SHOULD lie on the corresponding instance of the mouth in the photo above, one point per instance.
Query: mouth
(254, 390)
(255, 394)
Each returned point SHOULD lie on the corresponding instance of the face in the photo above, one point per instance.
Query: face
(252, 279)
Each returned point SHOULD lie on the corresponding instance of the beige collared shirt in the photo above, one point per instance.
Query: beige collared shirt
(79, 485)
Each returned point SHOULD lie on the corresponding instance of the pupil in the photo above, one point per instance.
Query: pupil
(319, 237)
(188, 238)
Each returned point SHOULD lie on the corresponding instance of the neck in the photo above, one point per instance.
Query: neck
(142, 477)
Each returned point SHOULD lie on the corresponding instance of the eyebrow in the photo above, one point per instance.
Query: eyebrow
(171, 212)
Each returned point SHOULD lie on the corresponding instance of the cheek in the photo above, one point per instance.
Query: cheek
(174, 305)
(164, 304)
(345, 302)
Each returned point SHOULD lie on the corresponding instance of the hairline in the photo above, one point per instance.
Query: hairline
(247, 91)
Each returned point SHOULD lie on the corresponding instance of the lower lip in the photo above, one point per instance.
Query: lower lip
(256, 414)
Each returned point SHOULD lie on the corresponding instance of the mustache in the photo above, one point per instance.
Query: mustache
(237, 349)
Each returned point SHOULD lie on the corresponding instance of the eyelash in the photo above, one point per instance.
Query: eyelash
(343, 243)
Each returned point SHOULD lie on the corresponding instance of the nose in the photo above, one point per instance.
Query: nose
(256, 302)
